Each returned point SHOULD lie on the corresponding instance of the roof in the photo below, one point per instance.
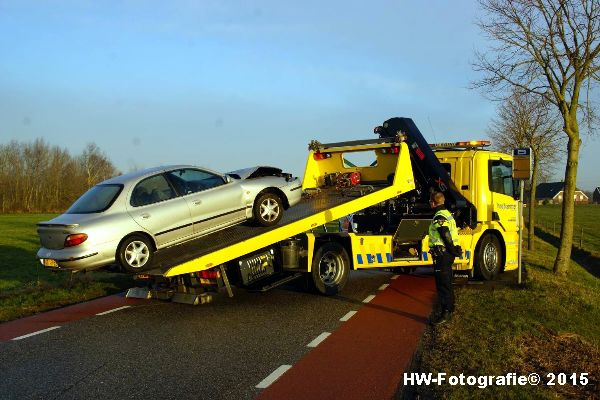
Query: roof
(135, 175)
(549, 190)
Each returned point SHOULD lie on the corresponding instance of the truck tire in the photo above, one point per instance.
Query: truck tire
(330, 268)
(135, 253)
(268, 209)
(488, 261)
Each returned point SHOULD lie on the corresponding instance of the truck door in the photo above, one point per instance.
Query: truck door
(504, 206)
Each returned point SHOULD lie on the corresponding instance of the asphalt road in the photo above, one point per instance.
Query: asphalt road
(221, 350)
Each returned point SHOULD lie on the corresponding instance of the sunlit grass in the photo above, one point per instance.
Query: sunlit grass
(26, 288)
(551, 322)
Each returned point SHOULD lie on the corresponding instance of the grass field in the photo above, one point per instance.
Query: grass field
(26, 288)
(587, 220)
(551, 324)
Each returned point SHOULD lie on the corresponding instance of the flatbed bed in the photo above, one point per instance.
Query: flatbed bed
(296, 220)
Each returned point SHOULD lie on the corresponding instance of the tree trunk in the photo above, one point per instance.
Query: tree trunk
(562, 261)
(531, 231)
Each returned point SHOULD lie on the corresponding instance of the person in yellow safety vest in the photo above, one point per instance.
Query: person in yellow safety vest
(444, 247)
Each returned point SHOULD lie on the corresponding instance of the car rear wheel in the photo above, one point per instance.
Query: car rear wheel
(135, 253)
(268, 209)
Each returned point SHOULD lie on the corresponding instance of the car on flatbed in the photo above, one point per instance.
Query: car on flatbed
(126, 219)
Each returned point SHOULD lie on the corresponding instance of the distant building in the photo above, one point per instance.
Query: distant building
(553, 193)
(596, 196)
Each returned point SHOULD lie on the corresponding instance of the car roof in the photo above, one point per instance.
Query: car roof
(137, 175)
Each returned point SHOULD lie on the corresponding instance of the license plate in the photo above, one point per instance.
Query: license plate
(50, 263)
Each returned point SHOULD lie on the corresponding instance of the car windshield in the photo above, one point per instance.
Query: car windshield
(95, 200)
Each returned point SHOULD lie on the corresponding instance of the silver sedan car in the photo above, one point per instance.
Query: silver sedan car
(126, 219)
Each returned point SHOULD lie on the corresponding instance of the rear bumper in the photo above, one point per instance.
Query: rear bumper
(69, 260)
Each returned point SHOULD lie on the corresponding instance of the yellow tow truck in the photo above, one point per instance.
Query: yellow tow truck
(385, 200)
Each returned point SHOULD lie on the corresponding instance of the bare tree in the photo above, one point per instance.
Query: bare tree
(526, 120)
(549, 48)
(35, 177)
(96, 166)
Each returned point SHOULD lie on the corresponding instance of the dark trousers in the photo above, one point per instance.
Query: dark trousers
(442, 268)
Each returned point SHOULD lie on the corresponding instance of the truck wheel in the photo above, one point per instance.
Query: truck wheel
(268, 209)
(489, 258)
(330, 269)
(135, 253)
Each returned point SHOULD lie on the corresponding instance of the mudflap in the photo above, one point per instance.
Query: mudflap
(191, 298)
(138, 293)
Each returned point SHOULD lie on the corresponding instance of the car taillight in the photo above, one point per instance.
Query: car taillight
(75, 240)
(321, 156)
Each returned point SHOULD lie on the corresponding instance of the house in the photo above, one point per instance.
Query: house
(553, 193)
(596, 196)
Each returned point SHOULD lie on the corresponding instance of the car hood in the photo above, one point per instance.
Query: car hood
(255, 172)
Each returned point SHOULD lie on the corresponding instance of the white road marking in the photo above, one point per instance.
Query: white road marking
(347, 316)
(395, 277)
(382, 287)
(318, 339)
(36, 333)
(273, 377)
(369, 298)
(113, 310)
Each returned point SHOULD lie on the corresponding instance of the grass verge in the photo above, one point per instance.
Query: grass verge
(26, 288)
(550, 325)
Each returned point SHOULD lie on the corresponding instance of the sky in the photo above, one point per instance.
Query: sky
(232, 84)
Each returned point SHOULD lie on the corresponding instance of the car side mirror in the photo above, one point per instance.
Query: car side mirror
(228, 179)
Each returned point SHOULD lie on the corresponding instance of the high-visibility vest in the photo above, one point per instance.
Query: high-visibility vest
(435, 239)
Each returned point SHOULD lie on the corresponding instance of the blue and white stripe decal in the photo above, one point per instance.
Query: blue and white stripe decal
(378, 258)
(467, 254)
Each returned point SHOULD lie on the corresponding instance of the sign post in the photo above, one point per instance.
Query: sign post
(522, 167)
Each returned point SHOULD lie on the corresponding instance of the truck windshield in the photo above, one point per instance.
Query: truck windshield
(500, 177)
(97, 199)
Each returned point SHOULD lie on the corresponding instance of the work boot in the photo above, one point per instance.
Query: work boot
(445, 316)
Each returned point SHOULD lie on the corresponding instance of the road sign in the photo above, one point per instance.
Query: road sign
(522, 163)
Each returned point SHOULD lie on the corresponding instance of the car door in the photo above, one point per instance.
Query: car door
(214, 200)
(157, 208)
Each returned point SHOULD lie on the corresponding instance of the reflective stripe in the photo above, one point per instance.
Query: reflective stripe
(434, 236)
(379, 258)
(359, 258)
(389, 257)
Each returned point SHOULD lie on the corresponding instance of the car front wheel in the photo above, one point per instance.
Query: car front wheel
(268, 209)
(135, 253)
